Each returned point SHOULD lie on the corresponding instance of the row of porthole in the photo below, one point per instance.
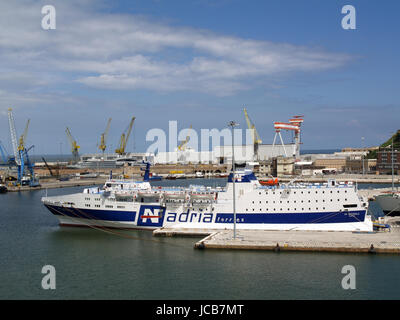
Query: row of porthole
(294, 201)
(302, 192)
(287, 209)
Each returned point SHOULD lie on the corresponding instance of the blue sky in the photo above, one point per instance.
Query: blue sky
(199, 62)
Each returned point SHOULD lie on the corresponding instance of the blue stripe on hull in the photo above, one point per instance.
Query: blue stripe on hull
(293, 218)
(106, 215)
(250, 218)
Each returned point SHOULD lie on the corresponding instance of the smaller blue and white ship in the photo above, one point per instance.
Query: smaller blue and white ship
(328, 206)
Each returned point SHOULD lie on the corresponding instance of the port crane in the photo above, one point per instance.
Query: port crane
(21, 153)
(74, 145)
(254, 134)
(103, 137)
(293, 125)
(183, 144)
(124, 138)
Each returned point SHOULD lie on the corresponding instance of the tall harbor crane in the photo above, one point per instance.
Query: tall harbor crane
(124, 138)
(74, 146)
(21, 153)
(103, 138)
(254, 134)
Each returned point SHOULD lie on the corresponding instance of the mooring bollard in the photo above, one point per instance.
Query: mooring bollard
(371, 249)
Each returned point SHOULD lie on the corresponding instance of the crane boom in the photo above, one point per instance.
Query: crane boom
(74, 145)
(183, 144)
(124, 138)
(103, 138)
(250, 125)
(13, 134)
(22, 138)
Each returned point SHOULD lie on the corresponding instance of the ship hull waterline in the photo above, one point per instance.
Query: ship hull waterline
(327, 221)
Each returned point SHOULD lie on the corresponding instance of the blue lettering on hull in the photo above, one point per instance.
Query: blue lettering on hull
(293, 218)
(151, 216)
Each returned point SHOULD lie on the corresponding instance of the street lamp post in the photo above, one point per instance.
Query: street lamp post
(233, 124)
(392, 158)
(362, 139)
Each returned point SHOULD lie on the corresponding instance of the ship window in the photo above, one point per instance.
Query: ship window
(316, 191)
(349, 205)
(345, 191)
(121, 207)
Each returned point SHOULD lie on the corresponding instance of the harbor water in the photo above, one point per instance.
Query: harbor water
(95, 264)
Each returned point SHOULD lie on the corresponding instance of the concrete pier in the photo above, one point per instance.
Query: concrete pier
(374, 242)
(370, 194)
(58, 184)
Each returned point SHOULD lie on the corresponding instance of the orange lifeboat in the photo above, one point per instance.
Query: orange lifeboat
(269, 182)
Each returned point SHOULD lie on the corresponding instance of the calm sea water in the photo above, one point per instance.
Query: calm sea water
(91, 264)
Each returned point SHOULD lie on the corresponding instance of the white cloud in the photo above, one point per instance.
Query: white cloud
(128, 52)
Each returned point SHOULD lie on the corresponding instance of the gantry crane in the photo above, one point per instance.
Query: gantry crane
(74, 146)
(124, 138)
(254, 134)
(103, 138)
(293, 125)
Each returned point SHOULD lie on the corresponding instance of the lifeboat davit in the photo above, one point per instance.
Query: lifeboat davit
(269, 182)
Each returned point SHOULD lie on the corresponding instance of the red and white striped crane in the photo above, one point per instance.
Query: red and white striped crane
(294, 124)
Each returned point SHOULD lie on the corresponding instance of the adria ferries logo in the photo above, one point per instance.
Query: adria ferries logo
(151, 216)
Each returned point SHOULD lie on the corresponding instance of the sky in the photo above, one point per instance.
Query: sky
(199, 63)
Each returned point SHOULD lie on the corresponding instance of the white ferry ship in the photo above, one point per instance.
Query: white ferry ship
(294, 206)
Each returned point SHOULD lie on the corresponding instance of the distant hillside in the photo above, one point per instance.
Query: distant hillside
(396, 143)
